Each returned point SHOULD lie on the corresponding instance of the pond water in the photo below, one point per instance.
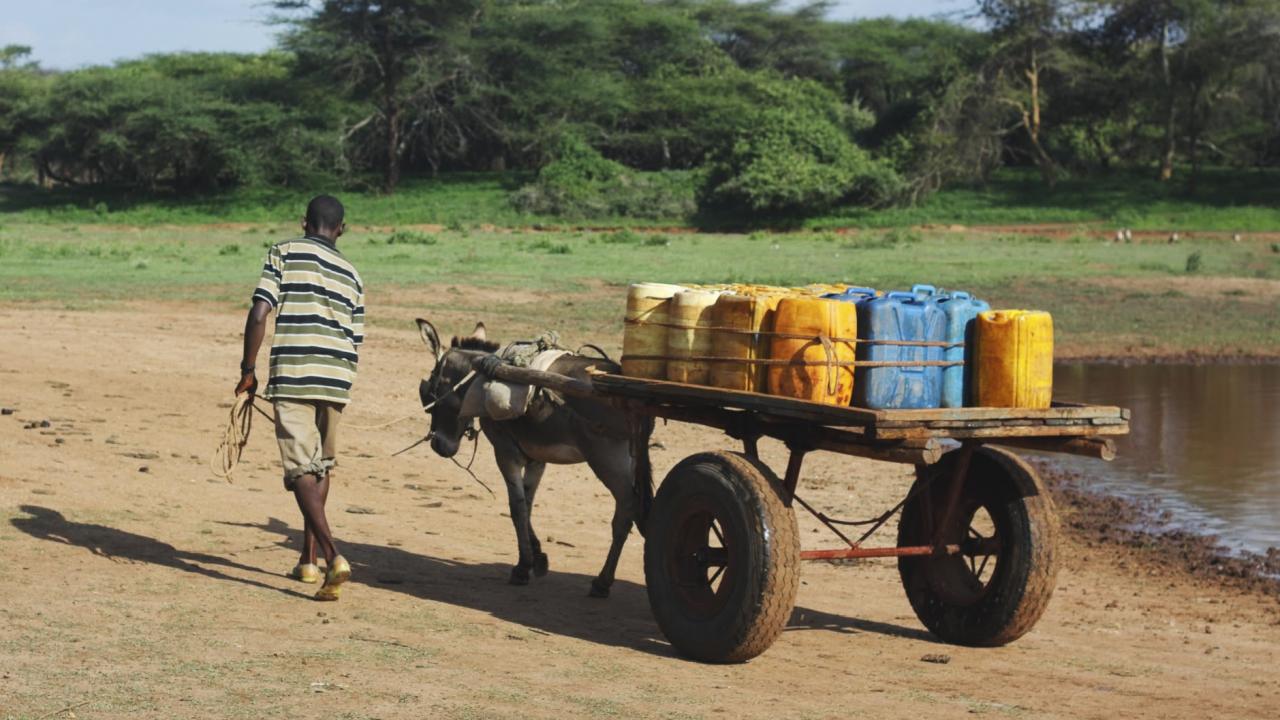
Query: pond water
(1204, 443)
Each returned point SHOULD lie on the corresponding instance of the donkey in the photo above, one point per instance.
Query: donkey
(574, 430)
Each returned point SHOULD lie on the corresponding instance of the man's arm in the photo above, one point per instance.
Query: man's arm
(255, 328)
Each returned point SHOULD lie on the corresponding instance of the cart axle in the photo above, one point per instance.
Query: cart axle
(861, 552)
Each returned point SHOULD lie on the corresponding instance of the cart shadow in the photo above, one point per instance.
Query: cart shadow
(808, 619)
(119, 545)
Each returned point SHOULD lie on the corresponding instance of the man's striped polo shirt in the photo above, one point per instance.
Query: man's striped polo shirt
(319, 303)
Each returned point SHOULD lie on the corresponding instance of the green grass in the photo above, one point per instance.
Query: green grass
(1225, 200)
(1106, 297)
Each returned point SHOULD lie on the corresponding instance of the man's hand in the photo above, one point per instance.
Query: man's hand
(248, 383)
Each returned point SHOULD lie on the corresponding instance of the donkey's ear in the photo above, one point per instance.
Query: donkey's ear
(479, 333)
(430, 337)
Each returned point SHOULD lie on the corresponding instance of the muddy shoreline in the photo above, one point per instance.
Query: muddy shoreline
(1141, 528)
(1187, 357)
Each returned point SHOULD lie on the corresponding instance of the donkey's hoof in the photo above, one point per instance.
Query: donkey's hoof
(598, 589)
(519, 575)
(540, 564)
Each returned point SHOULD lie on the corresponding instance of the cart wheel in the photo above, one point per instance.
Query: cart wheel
(721, 558)
(996, 588)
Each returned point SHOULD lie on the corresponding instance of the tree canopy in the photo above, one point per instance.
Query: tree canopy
(760, 107)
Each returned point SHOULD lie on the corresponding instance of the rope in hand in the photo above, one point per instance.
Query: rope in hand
(226, 457)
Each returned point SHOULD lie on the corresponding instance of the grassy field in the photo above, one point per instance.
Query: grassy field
(1225, 201)
(1208, 296)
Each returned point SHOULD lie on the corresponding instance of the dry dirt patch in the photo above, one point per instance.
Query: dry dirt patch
(159, 593)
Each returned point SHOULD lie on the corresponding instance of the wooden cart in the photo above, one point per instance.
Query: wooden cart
(976, 542)
(977, 536)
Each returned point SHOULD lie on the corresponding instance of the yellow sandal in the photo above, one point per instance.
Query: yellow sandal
(338, 573)
(306, 572)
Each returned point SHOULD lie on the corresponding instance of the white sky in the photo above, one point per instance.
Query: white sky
(66, 34)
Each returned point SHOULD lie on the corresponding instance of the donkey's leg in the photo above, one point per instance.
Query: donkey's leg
(512, 463)
(613, 467)
(532, 477)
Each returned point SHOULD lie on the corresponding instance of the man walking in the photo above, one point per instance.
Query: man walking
(319, 302)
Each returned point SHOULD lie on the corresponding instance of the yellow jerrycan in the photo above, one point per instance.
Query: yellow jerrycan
(644, 335)
(1015, 359)
(690, 336)
(811, 335)
(739, 338)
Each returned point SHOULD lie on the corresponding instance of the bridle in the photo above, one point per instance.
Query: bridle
(433, 391)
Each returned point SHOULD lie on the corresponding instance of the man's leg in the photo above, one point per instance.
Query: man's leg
(308, 556)
(327, 417)
(311, 491)
(308, 532)
(300, 442)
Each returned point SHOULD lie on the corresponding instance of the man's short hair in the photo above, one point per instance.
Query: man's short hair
(324, 211)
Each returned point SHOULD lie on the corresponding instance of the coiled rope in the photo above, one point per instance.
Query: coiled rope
(226, 457)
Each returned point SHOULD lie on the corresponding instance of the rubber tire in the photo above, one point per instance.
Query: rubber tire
(1026, 569)
(763, 553)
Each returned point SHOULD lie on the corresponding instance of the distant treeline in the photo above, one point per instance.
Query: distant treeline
(656, 107)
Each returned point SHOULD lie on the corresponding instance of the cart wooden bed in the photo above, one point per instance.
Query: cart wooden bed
(977, 532)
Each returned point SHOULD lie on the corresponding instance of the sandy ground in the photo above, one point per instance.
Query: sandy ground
(134, 584)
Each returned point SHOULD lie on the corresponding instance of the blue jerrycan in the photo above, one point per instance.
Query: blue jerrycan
(961, 310)
(853, 294)
(894, 318)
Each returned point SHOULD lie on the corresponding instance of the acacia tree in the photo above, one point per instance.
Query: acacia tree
(1195, 51)
(403, 57)
(19, 81)
(1028, 45)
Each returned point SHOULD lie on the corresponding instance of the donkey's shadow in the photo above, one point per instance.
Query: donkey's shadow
(556, 604)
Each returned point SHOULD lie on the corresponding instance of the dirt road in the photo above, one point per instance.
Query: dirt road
(134, 584)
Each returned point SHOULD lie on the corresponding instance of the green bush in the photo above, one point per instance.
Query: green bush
(1193, 263)
(551, 248)
(622, 237)
(582, 183)
(790, 161)
(411, 237)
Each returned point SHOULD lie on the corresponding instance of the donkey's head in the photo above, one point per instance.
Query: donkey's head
(448, 383)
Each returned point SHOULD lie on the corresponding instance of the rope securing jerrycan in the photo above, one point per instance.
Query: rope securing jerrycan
(1015, 359)
(812, 335)
(644, 335)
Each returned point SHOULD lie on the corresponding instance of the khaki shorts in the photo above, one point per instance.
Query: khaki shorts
(307, 432)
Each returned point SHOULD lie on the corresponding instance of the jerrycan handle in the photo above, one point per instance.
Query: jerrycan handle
(924, 289)
(960, 295)
(903, 295)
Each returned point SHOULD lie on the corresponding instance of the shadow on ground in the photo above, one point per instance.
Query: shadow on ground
(556, 604)
(112, 544)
